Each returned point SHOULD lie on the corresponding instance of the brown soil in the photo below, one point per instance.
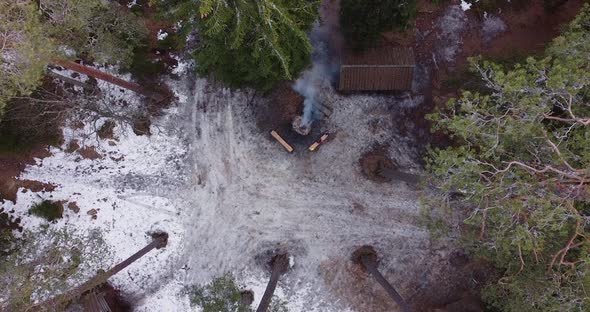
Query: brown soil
(106, 130)
(72, 146)
(11, 166)
(277, 113)
(141, 126)
(283, 106)
(530, 29)
(450, 285)
(353, 284)
(373, 161)
(115, 299)
(89, 153)
(73, 206)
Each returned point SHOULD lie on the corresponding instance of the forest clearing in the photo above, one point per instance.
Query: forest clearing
(433, 159)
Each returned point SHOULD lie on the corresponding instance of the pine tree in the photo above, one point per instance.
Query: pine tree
(249, 42)
(32, 33)
(95, 30)
(521, 173)
(24, 51)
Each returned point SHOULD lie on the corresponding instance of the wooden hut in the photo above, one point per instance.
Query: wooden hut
(384, 68)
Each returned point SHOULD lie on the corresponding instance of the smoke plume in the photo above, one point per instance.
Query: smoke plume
(327, 41)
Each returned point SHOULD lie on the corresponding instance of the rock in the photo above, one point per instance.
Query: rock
(74, 207)
(93, 212)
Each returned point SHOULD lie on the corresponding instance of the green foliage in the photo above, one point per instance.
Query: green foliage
(8, 241)
(363, 22)
(248, 43)
(48, 210)
(536, 285)
(278, 305)
(97, 30)
(24, 51)
(222, 294)
(521, 173)
(34, 32)
(41, 128)
(48, 262)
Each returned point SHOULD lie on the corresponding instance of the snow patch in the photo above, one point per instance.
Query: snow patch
(162, 34)
(451, 26)
(465, 5)
(491, 27)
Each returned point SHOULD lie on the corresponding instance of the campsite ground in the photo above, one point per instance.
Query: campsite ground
(212, 177)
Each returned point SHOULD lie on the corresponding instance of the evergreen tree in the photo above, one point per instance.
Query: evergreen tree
(95, 30)
(34, 32)
(249, 42)
(24, 50)
(363, 22)
(521, 172)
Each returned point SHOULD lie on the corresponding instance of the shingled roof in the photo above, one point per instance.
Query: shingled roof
(377, 69)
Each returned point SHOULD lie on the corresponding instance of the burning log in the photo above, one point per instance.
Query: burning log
(367, 257)
(300, 127)
(284, 143)
(319, 142)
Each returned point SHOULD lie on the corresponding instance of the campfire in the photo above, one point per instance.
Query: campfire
(303, 128)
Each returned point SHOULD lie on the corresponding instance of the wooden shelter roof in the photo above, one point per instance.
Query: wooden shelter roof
(378, 69)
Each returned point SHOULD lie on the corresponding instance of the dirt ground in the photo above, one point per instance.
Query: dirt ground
(527, 31)
(11, 166)
(374, 161)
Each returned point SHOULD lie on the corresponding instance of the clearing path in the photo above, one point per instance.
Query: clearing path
(250, 197)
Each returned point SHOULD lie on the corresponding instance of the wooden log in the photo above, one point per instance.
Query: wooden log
(325, 110)
(89, 71)
(319, 142)
(284, 143)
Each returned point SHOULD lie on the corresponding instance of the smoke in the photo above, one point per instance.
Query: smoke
(326, 40)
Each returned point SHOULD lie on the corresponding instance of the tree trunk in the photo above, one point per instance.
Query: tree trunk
(89, 71)
(369, 261)
(56, 302)
(280, 264)
(71, 81)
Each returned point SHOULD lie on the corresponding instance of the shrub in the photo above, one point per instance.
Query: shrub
(222, 294)
(48, 210)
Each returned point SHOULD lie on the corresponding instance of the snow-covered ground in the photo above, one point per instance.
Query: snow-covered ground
(227, 195)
